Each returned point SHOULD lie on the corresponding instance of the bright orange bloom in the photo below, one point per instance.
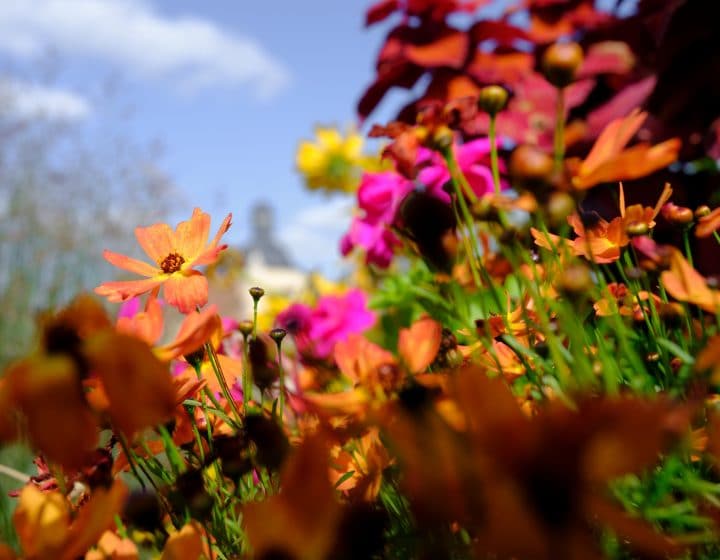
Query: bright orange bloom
(175, 255)
(609, 160)
(366, 458)
(603, 240)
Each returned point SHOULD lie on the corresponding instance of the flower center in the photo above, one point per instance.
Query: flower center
(172, 263)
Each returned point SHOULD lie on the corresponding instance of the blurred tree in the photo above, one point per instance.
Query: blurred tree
(68, 189)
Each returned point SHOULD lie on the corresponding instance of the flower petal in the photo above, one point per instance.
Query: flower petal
(95, 517)
(138, 385)
(133, 265)
(41, 521)
(210, 254)
(195, 330)
(192, 235)
(419, 344)
(612, 140)
(123, 290)
(59, 423)
(158, 241)
(186, 544)
(186, 291)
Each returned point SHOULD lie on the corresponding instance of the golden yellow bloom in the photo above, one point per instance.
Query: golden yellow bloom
(332, 162)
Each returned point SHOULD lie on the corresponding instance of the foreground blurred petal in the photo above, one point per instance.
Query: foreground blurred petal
(138, 385)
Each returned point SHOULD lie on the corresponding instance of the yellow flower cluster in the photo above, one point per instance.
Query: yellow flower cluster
(332, 162)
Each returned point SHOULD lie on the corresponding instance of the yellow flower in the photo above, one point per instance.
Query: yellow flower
(332, 162)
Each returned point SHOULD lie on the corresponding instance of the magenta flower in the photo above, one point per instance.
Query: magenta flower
(381, 194)
(334, 318)
(474, 161)
(379, 197)
(337, 317)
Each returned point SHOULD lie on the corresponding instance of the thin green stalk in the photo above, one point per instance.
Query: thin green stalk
(559, 138)
(494, 165)
(457, 180)
(281, 375)
(686, 245)
(212, 356)
(131, 462)
(247, 380)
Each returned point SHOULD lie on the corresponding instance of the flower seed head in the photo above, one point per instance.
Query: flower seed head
(278, 334)
(561, 62)
(492, 99)
(245, 327)
(256, 293)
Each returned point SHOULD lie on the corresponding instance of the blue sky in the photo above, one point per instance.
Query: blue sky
(228, 87)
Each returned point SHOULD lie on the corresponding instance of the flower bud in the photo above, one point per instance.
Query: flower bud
(575, 280)
(492, 99)
(530, 164)
(271, 443)
(245, 328)
(561, 62)
(677, 215)
(633, 229)
(559, 206)
(256, 293)
(278, 335)
(441, 139)
(702, 211)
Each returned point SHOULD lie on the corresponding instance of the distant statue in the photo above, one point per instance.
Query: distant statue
(263, 247)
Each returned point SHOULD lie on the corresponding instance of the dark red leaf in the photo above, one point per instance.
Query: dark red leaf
(380, 11)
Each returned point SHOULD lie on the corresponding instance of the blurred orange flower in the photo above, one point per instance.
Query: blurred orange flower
(304, 514)
(533, 487)
(79, 350)
(47, 530)
(684, 283)
(609, 160)
(175, 255)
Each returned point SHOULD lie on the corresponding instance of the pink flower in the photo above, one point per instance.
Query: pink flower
(378, 241)
(379, 197)
(474, 161)
(317, 330)
(381, 194)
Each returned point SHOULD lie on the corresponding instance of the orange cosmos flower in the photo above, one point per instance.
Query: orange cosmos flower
(609, 160)
(684, 283)
(602, 241)
(175, 255)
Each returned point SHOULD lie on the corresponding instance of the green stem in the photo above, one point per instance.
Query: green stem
(281, 374)
(559, 139)
(247, 380)
(131, 462)
(686, 244)
(212, 356)
(457, 175)
(494, 165)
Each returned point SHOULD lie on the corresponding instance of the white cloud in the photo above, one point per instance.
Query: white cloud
(313, 236)
(28, 101)
(192, 52)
